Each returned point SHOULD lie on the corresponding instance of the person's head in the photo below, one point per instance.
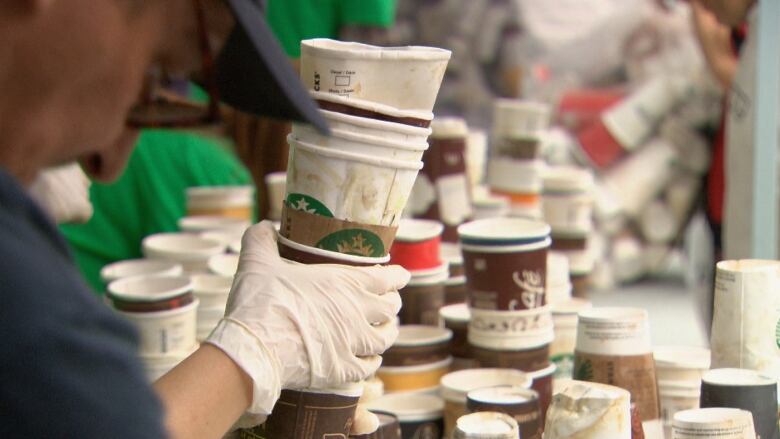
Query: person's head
(729, 12)
(70, 71)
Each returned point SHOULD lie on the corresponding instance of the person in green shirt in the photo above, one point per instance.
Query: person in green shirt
(149, 197)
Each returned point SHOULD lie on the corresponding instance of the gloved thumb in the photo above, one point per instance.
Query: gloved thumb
(258, 247)
(365, 422)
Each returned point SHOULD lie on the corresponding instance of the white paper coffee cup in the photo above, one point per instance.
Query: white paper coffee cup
(613, 331)
(360, 143)
(362, 71)
(191, 251)
(589, 411)
(275, 183)
(224, 265)
(139, 267)
(228, 201)
(164, 332)
(726, 423)
(520, 119)
(376, 128)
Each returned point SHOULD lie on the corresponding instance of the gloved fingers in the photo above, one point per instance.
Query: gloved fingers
(364, 422)
(258, 247)
(380, 309)
(380, 279)
(364, 367)
(376, 339)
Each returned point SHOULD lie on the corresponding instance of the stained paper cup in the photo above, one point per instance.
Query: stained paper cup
(275, 183)
(455, 387)
(306, 413)
(589, 411)
(487, 425)
(371, 110)
(358, 143)
(140, 267)
(747, 390)
(507, 278)
(345, 202)
(163, 332)
(224, 265)
(418, 344)
(211, 290)
(420, 378)
(420, 415)
(196, 224)
(228, 201)
(726, 423)
(520, 403)
(746, 315)
(520, 119)
(191, 251)
(361, 71)
(377, 128)
(292, 251)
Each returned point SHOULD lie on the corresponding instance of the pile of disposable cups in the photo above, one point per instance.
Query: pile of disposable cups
(345, 193)
(679, 370)
(613, 347)
(455, 387)
(514, 169)
(163, 309)
(417, 248)
(442, 190)
(588, 410)
(505, 262)
(568, 208)
(225, 201)
(418, 359)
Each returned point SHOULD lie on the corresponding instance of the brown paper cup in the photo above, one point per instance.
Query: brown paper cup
(506, 277)
(520, 403)
(526, 359)
(543, 384)
(309, 414)
(634, 373)
(420, 415)
(422, 298)
(455, 290)
(292, 251)
(417, 345)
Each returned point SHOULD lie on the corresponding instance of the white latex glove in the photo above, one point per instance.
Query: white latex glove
(298, 326)
(64, 193)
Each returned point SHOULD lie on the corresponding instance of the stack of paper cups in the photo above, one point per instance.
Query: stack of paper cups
(227, 201)
(455, 286)
(565, 323)
(519, 181)
(442, 191)
(613, 347)
(679, 370)
(212, 292)
(417, 360)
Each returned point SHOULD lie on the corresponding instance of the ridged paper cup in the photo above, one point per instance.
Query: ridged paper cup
(362, 71)
(358, 143)
(589, 411)
(371, 110)
(345, 202)
(725, 423)
(377, 128)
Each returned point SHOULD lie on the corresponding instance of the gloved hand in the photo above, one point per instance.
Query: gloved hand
(64, 193)
(305, 326)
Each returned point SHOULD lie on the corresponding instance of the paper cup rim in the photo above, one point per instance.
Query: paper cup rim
(472, 424)
(748, 265)
(331, 254)
(728, 377)
(370, 139)
(455, 386)
(400, 370)
(172, 246)
(515, 248)
(205, 223)
(612, 313)
(113, 271)
(545, 372)
(712, 415)
(164, 288)
(376, 107)
(353, 390)
(349, 50)
(377, 124)
(380, 162)
(430, 276)
(524, 392)
(527, 341)
(206, 284)
(421, 335)
(457, 312)
(154, 315)
(218, 264)
(503, 231)
(412, 230)
(409, 407)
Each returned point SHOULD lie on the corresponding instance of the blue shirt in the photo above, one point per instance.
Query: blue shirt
(68, 365)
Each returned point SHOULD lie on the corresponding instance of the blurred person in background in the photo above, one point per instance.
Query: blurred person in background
(71, 74)
(262, 142)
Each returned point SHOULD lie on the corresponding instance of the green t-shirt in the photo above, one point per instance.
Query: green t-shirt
(296, 20)
(149, 197)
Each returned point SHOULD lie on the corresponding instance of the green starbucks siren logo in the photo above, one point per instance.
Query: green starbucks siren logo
(308, 204)
(583, 371)
(356, 242)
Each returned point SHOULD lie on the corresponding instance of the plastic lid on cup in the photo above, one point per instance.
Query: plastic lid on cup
(503, 231)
